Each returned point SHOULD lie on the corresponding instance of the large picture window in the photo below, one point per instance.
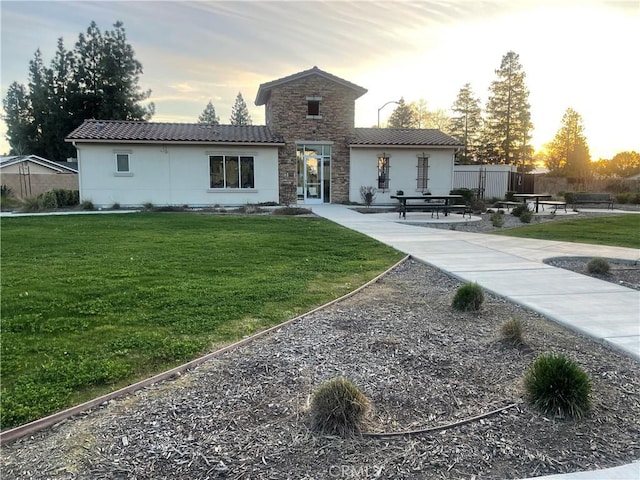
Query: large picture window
(383, 172)
(231, 171)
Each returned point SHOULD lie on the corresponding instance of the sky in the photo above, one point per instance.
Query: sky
(581, 54)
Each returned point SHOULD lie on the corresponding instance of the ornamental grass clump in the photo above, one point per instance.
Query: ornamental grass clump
(468, 298)
(512, 332)
(497, 219)
(338, 407)
(599, 266)
(556, 385)
(526, 216)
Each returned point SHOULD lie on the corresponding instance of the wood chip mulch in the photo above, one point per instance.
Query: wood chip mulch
(244, 414)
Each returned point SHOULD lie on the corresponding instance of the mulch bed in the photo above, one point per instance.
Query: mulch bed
(422, 364)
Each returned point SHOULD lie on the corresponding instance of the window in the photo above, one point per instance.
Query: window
(122, 163)
(423, 173)
(231, 171)
(313, 107)
(383, 172)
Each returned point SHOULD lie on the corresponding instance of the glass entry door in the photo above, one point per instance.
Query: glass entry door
(313, 173)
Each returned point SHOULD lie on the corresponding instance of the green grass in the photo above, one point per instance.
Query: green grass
(618, 230)
(92, 303)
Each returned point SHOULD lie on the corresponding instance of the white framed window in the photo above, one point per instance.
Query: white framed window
(231, 171)
(383, 172)
(123, 164)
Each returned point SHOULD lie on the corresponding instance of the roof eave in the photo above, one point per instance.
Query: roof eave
(404, 146)
(181, 142)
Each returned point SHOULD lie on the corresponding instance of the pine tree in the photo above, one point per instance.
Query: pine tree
(508, 122)
(404, 116)
(466, 123)
(209, 115)
(240, 112)
(568, 152)
(21, 130)
(98, 79)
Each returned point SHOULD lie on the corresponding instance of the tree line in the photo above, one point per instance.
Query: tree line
(97, 79)
(501, 133)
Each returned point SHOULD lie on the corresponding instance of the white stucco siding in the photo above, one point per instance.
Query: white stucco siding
(170, 175)
(403, 171)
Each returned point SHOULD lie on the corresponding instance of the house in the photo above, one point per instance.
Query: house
(30, 175)
(309, 151)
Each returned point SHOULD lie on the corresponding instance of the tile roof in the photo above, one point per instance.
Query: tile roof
(402, 137)
(136, 132)
(265, 89)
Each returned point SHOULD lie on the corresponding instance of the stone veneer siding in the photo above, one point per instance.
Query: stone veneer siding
(286, 115)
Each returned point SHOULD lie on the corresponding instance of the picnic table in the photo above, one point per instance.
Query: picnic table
(429, 203)
(532, 196)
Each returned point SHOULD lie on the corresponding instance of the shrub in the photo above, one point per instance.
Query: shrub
(368, 195)
(47, 201)
(148, 206)
(497, 219)
(67, 198)
(623, 198)
(5, 191)
(598, 265)
(556, 385)
(31, 204)
(250, 208)
(468, 297)
(115, 206)
(526, 216)
(468, 195)
(292, 211)
(338, 407)
(478, 206)
(517, 210)
(636, 199)
(568, 197)
(512, 331)
(510, 196)
(87, 205)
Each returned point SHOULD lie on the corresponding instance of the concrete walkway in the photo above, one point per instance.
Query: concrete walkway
(512, 268)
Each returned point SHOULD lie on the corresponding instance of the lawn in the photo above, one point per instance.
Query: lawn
(615, 230)
(91, 303)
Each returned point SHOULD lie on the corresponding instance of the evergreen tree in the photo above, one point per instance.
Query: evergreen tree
(209, 115)
(240, 112)
(404, 116)
(508, 122)
(59, 121)
(466, 123)
(21, 130)
(98, 79)
(108, 75)
(568, 153)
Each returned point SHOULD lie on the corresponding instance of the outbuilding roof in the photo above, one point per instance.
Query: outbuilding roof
(60, 167)
(400, 137)
(126, 131)
(265, 89)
